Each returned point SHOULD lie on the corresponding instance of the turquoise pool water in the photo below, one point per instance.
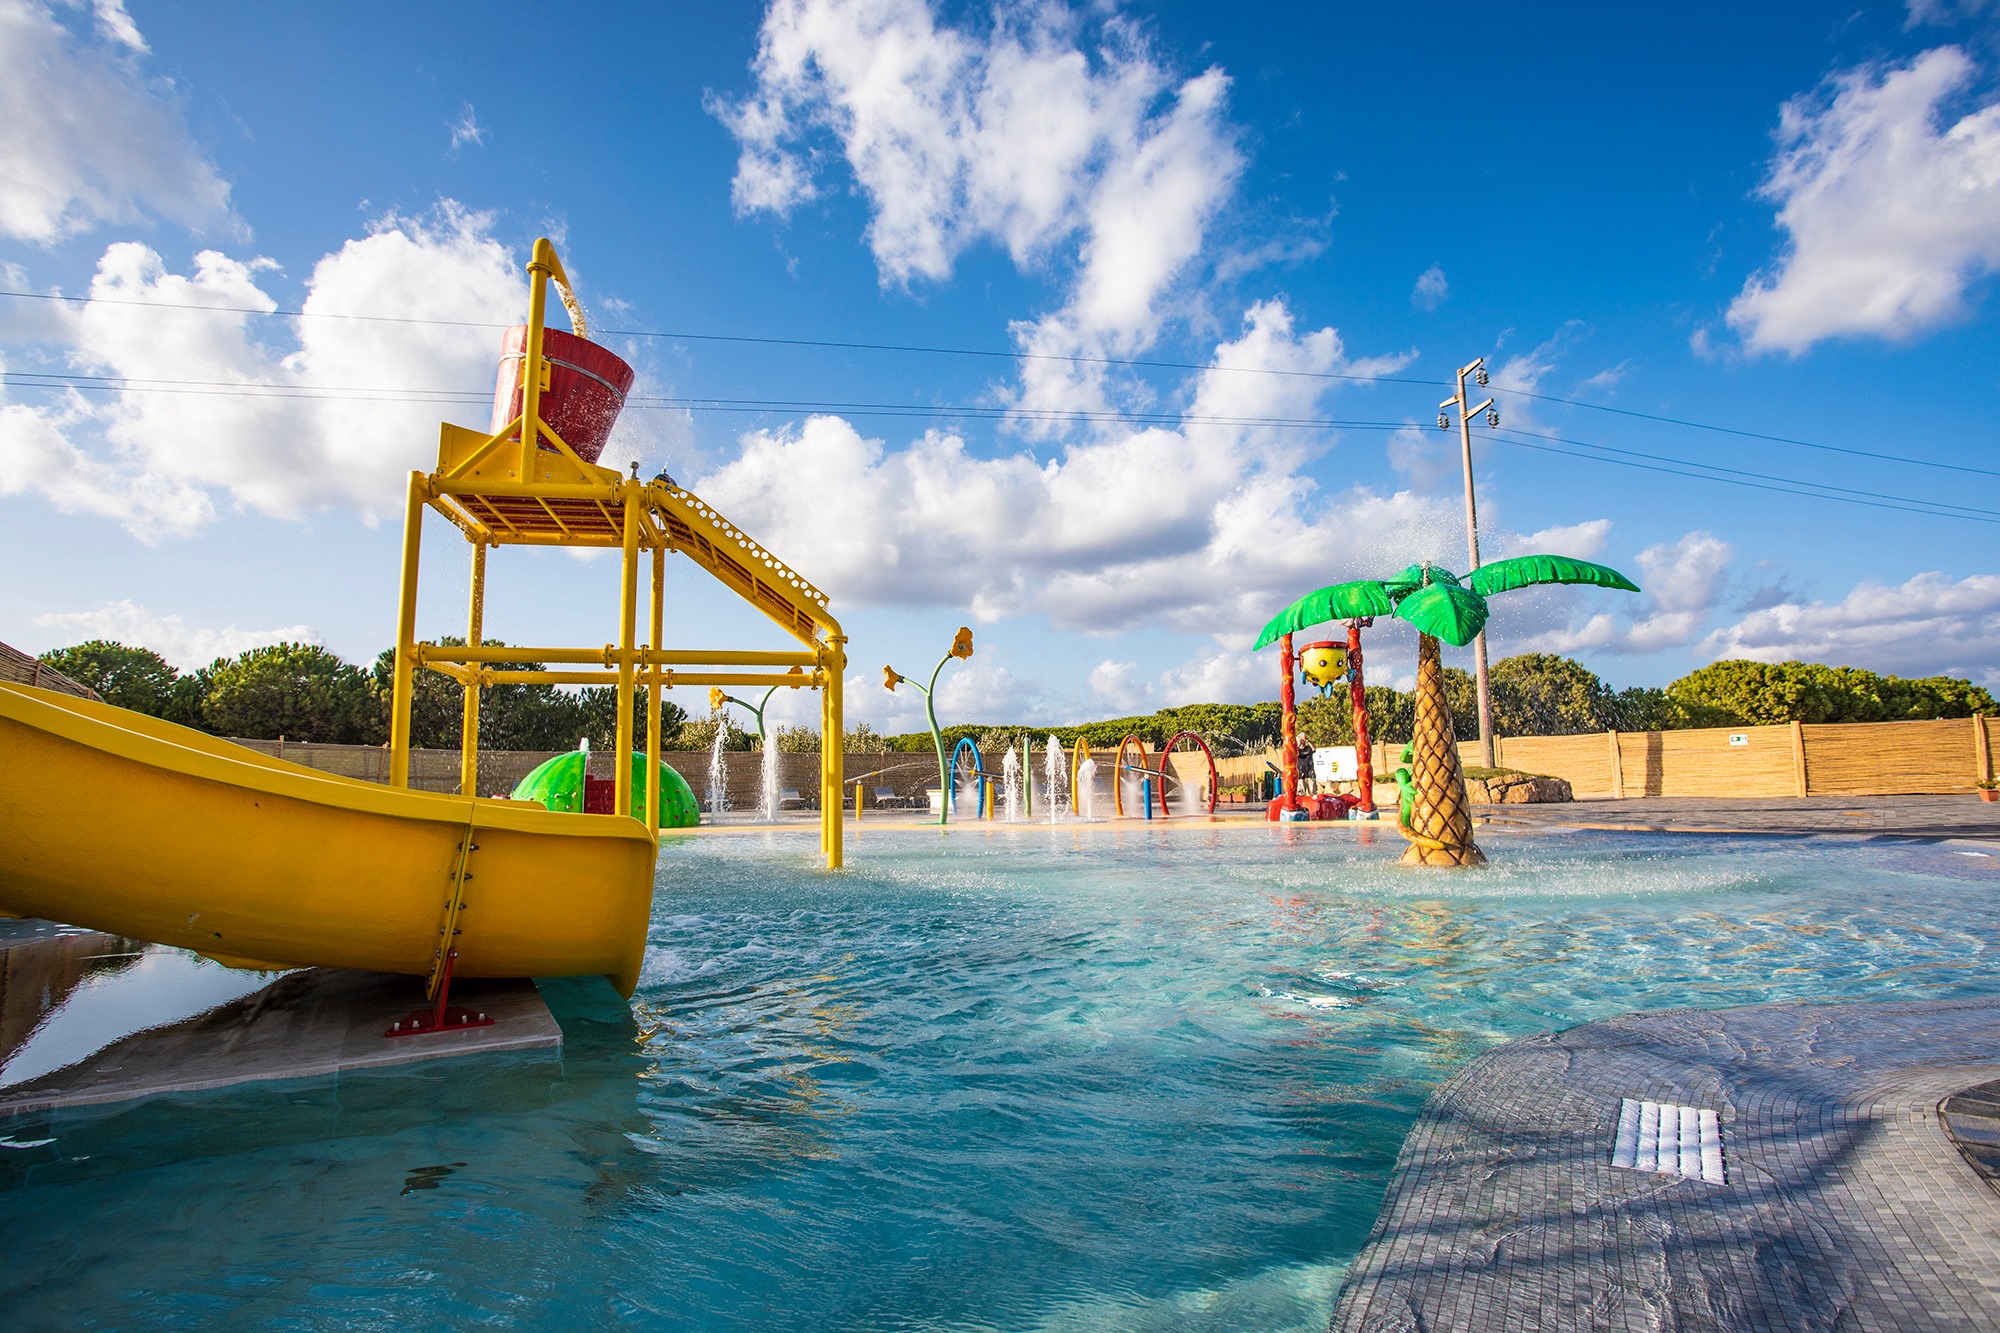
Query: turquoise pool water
(1038, 1079)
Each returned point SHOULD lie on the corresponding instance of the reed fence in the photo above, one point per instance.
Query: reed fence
(1842, 759)
(21, 668)
(1939, 757)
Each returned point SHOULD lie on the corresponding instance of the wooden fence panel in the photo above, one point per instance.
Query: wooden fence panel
(1705, 762)
(1888, 758)
(1582, 761)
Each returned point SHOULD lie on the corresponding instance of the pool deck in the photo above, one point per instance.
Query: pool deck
(305, 1024)
(1919, 817)
(1846, 1202)
(1961, 816)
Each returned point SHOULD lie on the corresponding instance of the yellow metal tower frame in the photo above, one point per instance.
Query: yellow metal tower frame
(536, 491)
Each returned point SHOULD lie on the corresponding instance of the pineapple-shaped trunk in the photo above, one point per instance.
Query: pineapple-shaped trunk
(1440, 822)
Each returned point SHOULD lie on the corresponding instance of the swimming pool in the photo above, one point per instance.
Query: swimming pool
(1025, 1079)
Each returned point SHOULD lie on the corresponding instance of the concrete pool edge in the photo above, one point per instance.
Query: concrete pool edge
(1845, 1197)
(306, 1024)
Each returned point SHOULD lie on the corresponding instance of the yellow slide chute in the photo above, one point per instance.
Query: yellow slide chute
(133, 826)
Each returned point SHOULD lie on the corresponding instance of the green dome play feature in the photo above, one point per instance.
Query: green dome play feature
(558, 784)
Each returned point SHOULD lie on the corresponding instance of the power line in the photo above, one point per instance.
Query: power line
(1751, 485)
(991, 354)
(1739, 472)
(1752, 435)
(1663, 463)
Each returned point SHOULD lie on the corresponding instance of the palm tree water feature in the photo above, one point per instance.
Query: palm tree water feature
(1435, 814)
(1013, 1079)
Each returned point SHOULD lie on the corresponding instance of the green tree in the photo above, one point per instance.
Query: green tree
(1643, 708)
(1329, 719)
(699, 734)
(135, 678)
(1541, 694)
(1734, 692)
(296, 690)
(187, 700)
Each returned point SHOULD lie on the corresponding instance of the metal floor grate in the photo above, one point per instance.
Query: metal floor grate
(1672, 1140)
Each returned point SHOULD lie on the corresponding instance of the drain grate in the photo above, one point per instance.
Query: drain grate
(1671, 1140)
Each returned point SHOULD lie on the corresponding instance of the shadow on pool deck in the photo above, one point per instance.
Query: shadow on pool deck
(1846, 1202)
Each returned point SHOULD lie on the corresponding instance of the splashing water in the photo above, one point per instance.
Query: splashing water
(1086, 788)
(768, 781)
(718, 777)
(1010, 785)
(1055, 781)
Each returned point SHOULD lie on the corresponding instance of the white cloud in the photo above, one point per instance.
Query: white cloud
(1431, 290)
(1684, 582)
(1527, 370)
(336, 415)
(1929, 625)
(1018, 135)
(1890, 211)
(1118, 685)
(466, 129)
(89, 137)
(186, 647)
(1579, 541)
(1944, 12)
(1207, 528)
(1427, 457)
(1221, 676)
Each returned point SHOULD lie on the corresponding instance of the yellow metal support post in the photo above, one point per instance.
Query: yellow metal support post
(406, 635)
(540, 265)
(628, 616)
(831, 737)
(475, 635)
(653, 696)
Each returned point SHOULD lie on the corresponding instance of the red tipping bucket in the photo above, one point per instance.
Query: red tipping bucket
(587, 388)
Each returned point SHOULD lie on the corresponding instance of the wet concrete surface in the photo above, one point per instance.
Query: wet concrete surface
(92, 1018)
(1847, 1203)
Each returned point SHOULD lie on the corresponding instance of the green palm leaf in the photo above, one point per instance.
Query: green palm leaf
(1445, 610)
(1341, 601)
(1528, 570)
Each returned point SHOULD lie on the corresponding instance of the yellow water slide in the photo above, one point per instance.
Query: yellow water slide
(137, 827)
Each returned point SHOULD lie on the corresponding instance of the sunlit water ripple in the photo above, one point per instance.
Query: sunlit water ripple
(1044, 1079)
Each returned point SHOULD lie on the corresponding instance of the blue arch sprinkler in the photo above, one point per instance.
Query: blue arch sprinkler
(961, 648)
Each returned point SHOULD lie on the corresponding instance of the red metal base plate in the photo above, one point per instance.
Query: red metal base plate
(453, 1018)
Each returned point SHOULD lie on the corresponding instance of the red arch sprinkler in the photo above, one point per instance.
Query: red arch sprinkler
(1166, 751)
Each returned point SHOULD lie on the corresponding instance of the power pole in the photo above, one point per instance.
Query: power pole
(1465, 416)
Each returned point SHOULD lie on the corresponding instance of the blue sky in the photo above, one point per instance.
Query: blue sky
(1767, 218)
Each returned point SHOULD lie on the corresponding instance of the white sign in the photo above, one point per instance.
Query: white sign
(1739, 738)
(1334, 763)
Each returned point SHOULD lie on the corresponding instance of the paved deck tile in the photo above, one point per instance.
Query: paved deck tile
(1847, 1205)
